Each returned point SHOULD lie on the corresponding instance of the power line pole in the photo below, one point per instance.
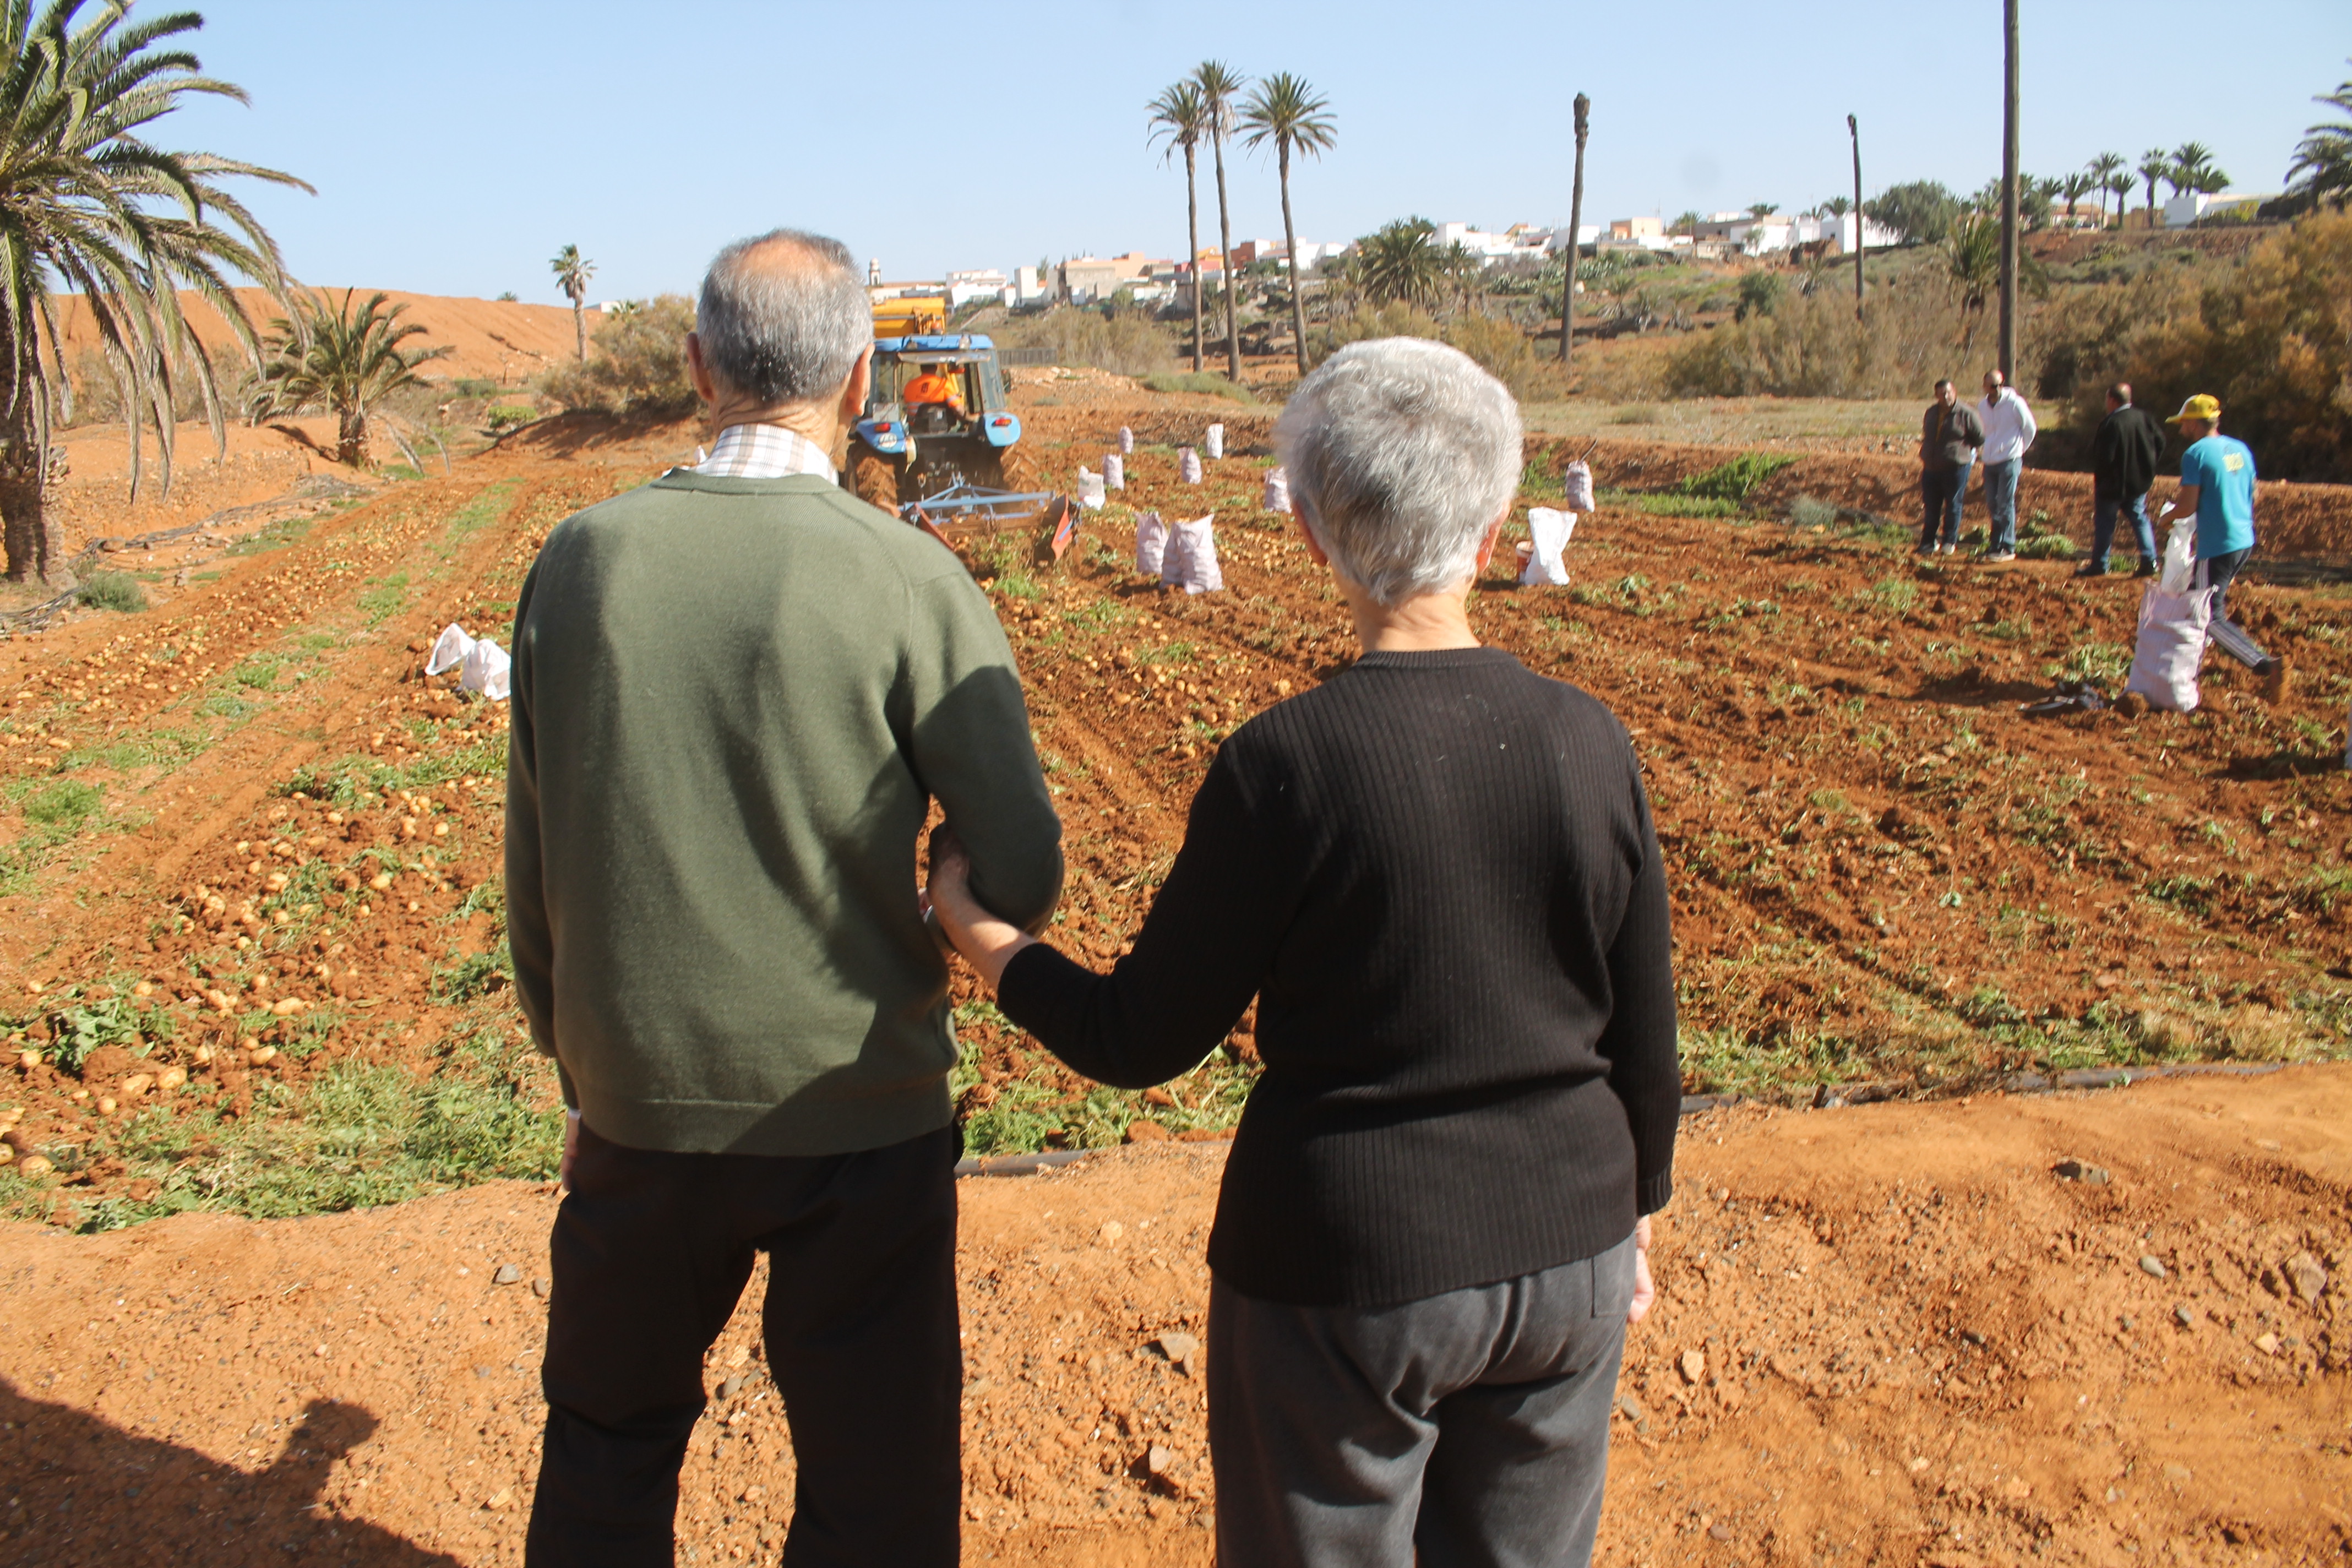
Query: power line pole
(1854, 133)
(2009, 193)
(1575, 231)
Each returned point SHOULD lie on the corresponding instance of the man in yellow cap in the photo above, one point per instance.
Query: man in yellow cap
(2217, 484)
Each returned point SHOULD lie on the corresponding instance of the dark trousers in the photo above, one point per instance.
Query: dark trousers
(651, 1254)
(2104, 511)
(1464, 1430)
(2216, 574)
(1941, 491)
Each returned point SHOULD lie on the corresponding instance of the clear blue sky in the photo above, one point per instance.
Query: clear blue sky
(456, 146)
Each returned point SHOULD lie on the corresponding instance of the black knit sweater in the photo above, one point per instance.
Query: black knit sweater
(1437, 874)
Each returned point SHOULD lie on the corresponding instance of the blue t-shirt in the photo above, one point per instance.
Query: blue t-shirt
(2222, 469)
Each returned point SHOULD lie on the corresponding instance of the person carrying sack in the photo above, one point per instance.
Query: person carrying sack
(2217, 487)
(1437, 875)
(737, 692)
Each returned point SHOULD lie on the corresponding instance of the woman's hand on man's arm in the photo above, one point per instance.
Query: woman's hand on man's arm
(987, 942)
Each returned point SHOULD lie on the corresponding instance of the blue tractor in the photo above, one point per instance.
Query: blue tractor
(937, 437)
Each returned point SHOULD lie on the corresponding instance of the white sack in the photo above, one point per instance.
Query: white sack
(1125, 439)
(2179, 573)
(1151, 543)
(1578, 481)
(1187, 466)
(1277, 490)
(1547, 534)
(1191, 557)
(1114, 471)
(1215, 443)
(450, 651)
(485, 670)
(1090, 489)
(2172, 629)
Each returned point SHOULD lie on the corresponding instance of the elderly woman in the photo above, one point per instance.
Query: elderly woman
(1436, 873)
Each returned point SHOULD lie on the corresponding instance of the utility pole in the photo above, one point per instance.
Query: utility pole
(1575, 231)
(2009, 193)
(1854, 135)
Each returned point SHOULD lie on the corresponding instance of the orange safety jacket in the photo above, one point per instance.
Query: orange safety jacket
(932, 388)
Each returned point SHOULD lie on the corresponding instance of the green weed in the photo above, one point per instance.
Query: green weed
(113, 591)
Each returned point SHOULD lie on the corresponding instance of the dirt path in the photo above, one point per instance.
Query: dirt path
(1888, 1335)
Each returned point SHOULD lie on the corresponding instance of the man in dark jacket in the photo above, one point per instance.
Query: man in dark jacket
(1948, 439)
(2123, 456)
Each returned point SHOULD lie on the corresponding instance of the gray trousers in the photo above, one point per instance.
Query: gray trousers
(1469, 1428)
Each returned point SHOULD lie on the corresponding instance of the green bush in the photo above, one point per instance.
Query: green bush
(1731, 481)
(507, 414)
(64, 805)
(1204, 380)
(639, 363)
(477, 387)
(113, 591)
(1809, 511)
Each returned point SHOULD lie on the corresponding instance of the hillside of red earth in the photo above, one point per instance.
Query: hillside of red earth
(252, 968)
(2077, 1330)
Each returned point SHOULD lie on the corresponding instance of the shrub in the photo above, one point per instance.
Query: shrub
(476, 387)
(1204, 381)
(66, 804)
(1124, 343)
(1502, 350)
(113, 591)
(1759, 295)
(639, 363)
(1808, 511)
(506, 415)
(2040, 541)
(1731, 481)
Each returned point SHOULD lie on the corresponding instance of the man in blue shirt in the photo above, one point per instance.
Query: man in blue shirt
(2217, 483)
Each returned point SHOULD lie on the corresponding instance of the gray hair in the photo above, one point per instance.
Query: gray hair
(1400, 454)
(784, 316)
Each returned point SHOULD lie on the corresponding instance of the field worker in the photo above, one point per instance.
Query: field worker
(737, 690)
(1948, 439)
(2009, 432)
(2123, 455)
(1436, 873)
(2217, 484)
(932, 388)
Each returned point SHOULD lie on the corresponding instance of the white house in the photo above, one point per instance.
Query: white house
(2191, 206)
(981, 284)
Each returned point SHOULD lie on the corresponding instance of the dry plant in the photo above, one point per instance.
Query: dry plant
(639, 363)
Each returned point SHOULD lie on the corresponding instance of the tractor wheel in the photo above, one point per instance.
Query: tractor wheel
(875, 478)
(1017, 470)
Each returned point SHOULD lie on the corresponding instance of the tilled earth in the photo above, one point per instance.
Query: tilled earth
(1885, 1334)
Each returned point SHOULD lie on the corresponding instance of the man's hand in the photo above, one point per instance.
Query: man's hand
(572, 1147)
(1645, 1289)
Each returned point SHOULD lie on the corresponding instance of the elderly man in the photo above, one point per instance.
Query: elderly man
(2123, 456)
(1948, 438)
(737, 691)
(2009, 432)
(1437, 875)
(2217, 487)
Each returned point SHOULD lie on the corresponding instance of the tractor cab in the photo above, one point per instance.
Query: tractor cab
(941, 388)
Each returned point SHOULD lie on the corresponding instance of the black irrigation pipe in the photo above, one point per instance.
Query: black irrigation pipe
(1825, 1097)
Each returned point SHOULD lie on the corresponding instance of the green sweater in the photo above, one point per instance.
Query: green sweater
(734, 701)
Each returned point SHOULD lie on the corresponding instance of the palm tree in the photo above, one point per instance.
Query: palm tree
(2154, 164)
(1762, 209)
(2103, 171)
(1285, 111)
(573, 272)
(1973, 264)
(2193, 170)
(89, 206)
(333, 360)
(1218, 83)
(1837, 206)
(2075, 187)
(1580, 124)
(1399, 264)
(2322, 170)
(1180, 118)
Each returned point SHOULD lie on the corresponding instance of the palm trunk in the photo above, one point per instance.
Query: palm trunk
(1225, 265)
(350, 438)
(579, 326)
(2009, 195)
(31, 535)
(1192, 234)
(1290, 240)
(1575, 237)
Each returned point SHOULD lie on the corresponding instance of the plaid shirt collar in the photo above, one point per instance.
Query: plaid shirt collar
(763, 452)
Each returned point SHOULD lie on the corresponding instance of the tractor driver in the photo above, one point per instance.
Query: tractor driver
(933, 387)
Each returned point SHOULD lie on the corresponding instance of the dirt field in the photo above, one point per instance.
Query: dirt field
(250, 933)
(1889, 1334)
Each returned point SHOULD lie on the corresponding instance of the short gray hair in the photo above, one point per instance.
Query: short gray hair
(784, 316)
(1401, 453)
